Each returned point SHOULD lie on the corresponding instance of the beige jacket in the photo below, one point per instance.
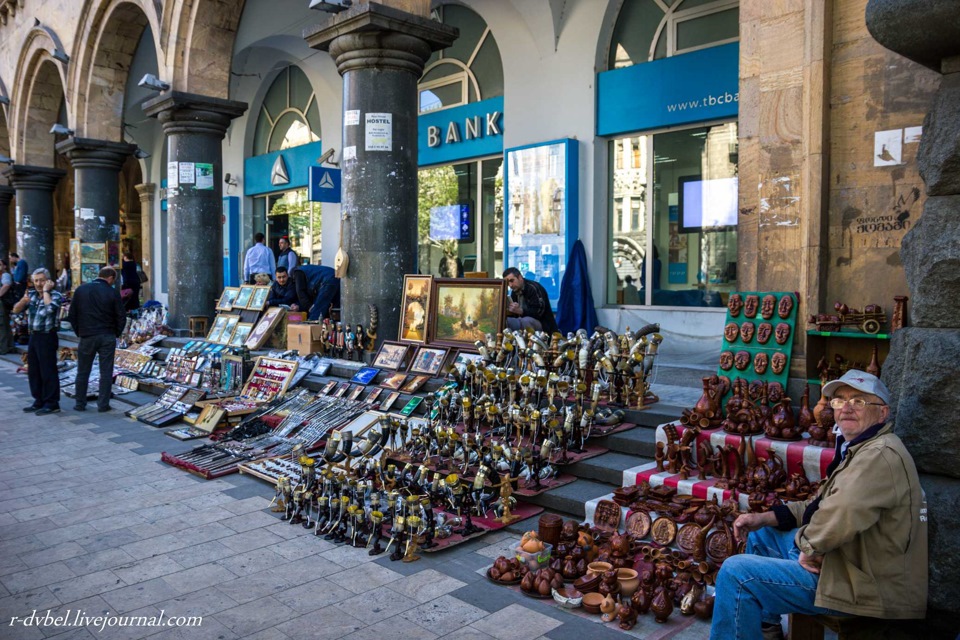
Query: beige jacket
(871, 528)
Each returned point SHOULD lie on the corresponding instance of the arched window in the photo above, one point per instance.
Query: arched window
(653, 29)
(288, 116)
(467, 71)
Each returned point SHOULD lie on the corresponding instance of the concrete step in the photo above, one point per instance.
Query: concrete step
(569, 499)
(639, 441)
(607, 468)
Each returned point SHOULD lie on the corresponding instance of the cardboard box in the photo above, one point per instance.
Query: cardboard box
(296, 317)
(305, 338)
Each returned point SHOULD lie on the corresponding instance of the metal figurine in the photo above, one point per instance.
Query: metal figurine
(376, 533)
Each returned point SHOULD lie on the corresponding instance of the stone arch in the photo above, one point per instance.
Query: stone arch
(200, 44)
(544, 19)
(4, 129)
(41, 80)
(110, 32)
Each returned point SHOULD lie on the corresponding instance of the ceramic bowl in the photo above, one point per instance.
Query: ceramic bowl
(568, 597)
(587, 583)
(591, 602)
(597, 568)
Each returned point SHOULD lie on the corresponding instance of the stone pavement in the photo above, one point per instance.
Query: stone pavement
(91, 521)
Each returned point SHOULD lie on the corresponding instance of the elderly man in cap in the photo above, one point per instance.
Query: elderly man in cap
(859, 547)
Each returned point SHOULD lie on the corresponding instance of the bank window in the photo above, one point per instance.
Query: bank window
(289, 116)
(690, 256)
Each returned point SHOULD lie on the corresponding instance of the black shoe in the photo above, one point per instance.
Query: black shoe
(80, 408)
(104, 409)
(47, 411)
(31, 409)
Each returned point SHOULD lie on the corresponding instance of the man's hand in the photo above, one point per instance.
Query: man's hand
(811, 563)
(515, 308)
(748, 522)
(294, 307)
(48, 286)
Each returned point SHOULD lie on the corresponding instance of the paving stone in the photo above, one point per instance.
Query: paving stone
(444, 615)
(77, 633)
(68, 533)
(258, 585)
(313, 595)
(364, 578)
(147, 569)
(249, 521)
(53, 554)
(91, 584)
(139, 595)
(38, 577)
(503, 624)
(305, 544)
(273, 633)
(348, 557)
(211, 629)
(376, 604)
(395, 627)
(200, 577)
(255, 616)
(469, 633)
(328, 623)
(426, 585)
(247, 505)
(130, 630)
(92, 562)
(108, 540)
(250, 540)
(200, 554)
(249, 562)
(204, 602)
(22, 604)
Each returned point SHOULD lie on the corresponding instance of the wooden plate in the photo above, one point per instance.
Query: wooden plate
(687, 537)
(490, 578)
(664, 531)
(718, 546)
(638, 524)
(607, 515)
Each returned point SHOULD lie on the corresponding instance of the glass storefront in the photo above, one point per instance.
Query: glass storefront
(290, 214)
(680, 235)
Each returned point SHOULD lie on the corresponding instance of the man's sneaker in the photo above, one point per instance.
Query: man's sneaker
(104, 409)
(31, 409)
(772, 632)
(47, 411)
(80, 407)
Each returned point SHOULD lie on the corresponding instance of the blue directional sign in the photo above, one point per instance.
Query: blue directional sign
(324, 185)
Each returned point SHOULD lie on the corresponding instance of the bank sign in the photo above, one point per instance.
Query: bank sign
(469, 131)
(692, 87)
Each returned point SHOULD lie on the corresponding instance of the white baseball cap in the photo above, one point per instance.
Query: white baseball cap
(861, 381)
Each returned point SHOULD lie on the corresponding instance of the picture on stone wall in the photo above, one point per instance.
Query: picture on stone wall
(89, 272)
(465, 310)
(415, 308)
(93, 252)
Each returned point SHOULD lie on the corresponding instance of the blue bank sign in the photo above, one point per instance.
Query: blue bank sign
(459, 133)
(323, 185)
(693, 87)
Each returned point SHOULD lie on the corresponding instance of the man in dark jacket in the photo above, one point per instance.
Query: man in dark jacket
(529, 306)
(97, 317)
(317, 288)
(282, 291)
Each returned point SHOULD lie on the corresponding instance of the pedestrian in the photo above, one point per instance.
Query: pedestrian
(288, 257)
(317, 289)
(20, 274)
(130, 279)
(259, 259)
(98, 318)
(529, 305)
(7, 300)
(43, 304)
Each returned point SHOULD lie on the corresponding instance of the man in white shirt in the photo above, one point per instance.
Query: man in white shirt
(259, 259)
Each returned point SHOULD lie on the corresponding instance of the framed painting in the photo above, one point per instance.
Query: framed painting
(240, 334)
(365, 375)
(259, 298)
(414, 384)
(243, 298)
(217, 329)
(465, 310)
(228, 328)
(415, 308)
(264, 328)
(93, 252)
(428, 360)
(394, 381)
(75, 258)
(89, 272)
(389, 401)
(373, 395)
(392, 356)
(227, 298)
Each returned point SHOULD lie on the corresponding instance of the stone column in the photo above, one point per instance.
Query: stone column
(923, 368)
(34, 186)
(380, 52)
(195, 126)
(6, 197)
(96, 172)
(147, 193)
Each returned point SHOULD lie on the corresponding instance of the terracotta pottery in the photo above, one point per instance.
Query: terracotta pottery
(598, 568)
(629, 581)
(874, 367)
(550, 528)
(640, 601)
(805, 419)
(591, 602)
(661, 605)
(704, 608)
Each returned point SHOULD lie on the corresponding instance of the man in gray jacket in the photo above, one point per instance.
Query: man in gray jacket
(859, 547)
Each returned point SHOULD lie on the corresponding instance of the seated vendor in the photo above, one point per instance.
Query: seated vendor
(859, 547)
(529, 305)
(283, 291)
(317, 288)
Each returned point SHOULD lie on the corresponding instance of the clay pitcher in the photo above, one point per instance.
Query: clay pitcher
(874, 366)
(661, 605)
(707, 405)
(818, 409)
(806, 418)
(782, 420)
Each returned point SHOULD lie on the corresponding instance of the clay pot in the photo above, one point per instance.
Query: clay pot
(629, 581)
(640, 601)
(591, 602)
(550, 527)
(598, 568)
(708, 404)
(570, 569)
(822, 404)
(704, 608)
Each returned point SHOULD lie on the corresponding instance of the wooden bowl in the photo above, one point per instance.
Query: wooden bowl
(591, 602)
(587, 584)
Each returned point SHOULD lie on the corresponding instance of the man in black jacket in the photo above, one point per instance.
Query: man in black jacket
(283, 291)
(97, 317)
(529, 306)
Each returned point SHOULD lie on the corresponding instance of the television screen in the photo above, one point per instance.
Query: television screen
(451, 222)
(709, 205)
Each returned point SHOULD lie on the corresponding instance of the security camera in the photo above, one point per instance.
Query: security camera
(330, 6)
(60, 130)
(230, 179)
(328, 157)
(153, 83)
(140, 154)
(4, 100)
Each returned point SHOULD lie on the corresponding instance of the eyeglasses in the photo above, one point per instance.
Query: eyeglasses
(857, 403)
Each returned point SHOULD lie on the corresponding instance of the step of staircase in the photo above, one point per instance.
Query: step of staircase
(607, 468)
(570, 499)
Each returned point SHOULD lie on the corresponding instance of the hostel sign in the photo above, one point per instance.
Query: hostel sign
(460, 133)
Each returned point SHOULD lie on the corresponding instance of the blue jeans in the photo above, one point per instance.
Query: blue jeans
(762, 584)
